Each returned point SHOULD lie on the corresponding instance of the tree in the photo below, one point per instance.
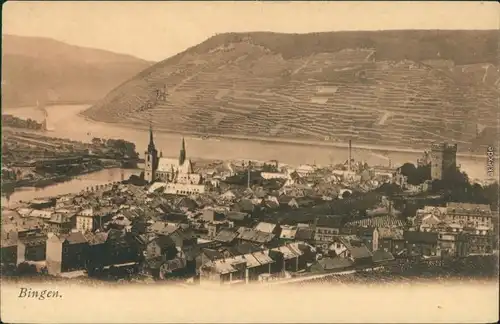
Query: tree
(346, 194)
(422, 174)
(490, 194)
(408, 169)
(96, 141)
(457, 188)
(389, 189)
(409, 210)
(416, 175)
(137, 180)
(122, 148)
(26, 269)
(8, 192)
(362, 213)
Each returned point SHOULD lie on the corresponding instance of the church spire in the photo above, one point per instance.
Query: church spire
(151, 145)
(182, 155)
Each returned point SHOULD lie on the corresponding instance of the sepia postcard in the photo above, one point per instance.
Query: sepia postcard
(250, 162)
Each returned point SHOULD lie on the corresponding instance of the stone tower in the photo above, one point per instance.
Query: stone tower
(150, 159)
(443, 160)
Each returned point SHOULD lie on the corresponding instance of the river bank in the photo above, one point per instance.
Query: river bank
(282, 140)
(45, 182)
(293, 152)
(38, 183)
(73, 185)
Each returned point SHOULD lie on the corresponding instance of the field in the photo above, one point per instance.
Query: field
(244, 86)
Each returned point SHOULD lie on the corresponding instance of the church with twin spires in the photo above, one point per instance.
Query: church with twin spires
(168, 170)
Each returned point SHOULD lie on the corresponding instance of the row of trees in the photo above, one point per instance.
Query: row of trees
(12, 121)
(457, 186)
(468, 193)
(122, 147)
(416, 175)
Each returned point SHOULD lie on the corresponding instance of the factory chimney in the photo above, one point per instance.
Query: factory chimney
(350, 156)
(248, 176)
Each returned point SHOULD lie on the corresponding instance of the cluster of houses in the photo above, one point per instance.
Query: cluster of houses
(457, 228)
(225, 233)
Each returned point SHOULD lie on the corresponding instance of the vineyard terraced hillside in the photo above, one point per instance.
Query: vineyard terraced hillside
(398, 88)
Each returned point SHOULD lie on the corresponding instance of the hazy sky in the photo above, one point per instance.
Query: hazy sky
(157, 30)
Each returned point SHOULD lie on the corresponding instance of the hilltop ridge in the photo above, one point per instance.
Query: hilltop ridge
(46, 70)
(385, 87)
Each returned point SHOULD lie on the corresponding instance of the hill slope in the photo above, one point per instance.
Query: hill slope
(48, 70)
(404, 88)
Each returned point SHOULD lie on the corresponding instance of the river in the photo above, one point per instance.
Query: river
(74, 185)
(65, 122)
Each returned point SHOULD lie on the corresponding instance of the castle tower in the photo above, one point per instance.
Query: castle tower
(443, 160)
(150, 159)
(182, 155)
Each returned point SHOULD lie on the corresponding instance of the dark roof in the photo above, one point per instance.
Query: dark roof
(249, 234)
(330, 221)
(334, 263)
(174, 217)
(96, 238)
(188, 203)
(305, 248)
(34, 239)
(130, 214)
(355, 246)
(184, 233)
(115, 235)
(226, 235)
(246, 205)
(162, 228)
(213, 254)
(59, 219)
(165, 207)
(191, 252)
(75, 238)
(360, 252)
(163, 241)
(212, 215)
(304, 233)
(260, 193)
(244, 248)
(381, 255)
(284, 199)
(234, 215)
(421, 237)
